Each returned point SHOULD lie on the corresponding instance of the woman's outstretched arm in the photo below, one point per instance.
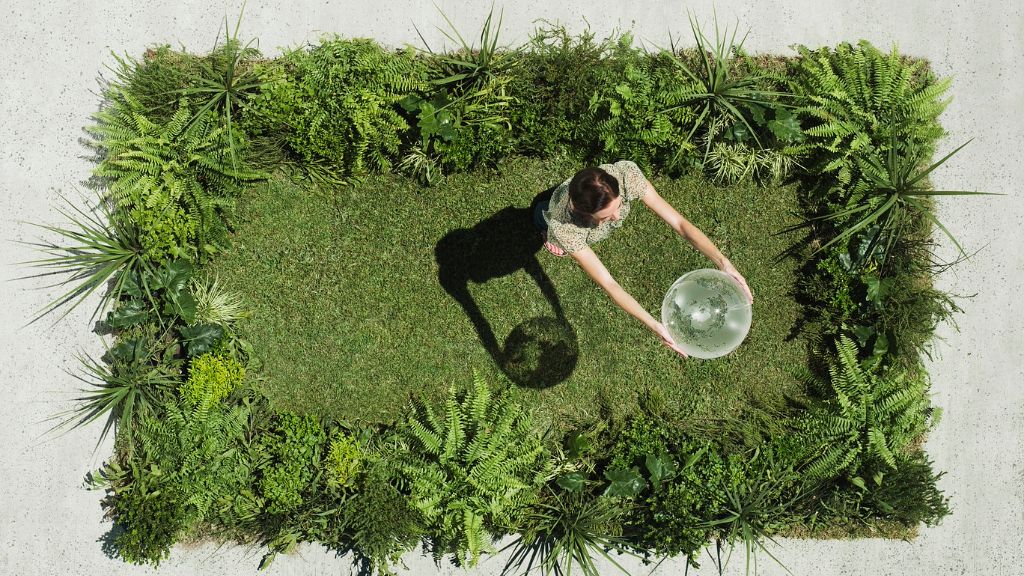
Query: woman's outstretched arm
(594, 268)
(694, 236)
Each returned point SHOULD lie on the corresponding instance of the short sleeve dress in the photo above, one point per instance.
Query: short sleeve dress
(569, 231)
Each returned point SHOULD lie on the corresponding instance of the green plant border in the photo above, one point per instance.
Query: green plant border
(168, 325)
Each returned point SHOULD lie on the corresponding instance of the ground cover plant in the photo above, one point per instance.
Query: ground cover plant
(334, 322)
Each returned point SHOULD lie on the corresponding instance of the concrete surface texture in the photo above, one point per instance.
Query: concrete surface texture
(50, 525)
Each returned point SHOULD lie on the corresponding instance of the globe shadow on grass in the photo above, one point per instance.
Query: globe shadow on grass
(540, 352)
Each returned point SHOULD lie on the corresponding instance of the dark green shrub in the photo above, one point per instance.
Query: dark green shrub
(189, 467)
(642, 437)
(381, 522)
(909, 494)
(696, 491)
(337, 103)
(891, 317)
(153, 517)
(156, 82)
(673, 520)
(553, 86)
(461, 113)
(763, 500)
(293, 470)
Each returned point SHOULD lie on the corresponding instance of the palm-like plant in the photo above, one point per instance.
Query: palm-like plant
(225, 82)
(99, 248)
(715, 91)
(754, 507)
(567, 529)
(471, 69)
(127, 387)
(468, 90)
(891, 189)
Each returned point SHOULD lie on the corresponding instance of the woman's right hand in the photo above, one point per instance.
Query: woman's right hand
(666, 339)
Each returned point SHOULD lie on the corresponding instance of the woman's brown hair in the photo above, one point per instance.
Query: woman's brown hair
(591, 190)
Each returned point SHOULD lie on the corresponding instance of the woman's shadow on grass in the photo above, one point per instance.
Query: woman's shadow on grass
(541, 351)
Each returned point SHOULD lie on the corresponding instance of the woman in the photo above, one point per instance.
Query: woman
(586, 209)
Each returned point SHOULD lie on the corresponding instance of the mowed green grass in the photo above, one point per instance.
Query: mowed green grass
(350, 317)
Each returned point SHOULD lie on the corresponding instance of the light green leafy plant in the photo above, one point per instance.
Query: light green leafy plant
(293, 470)
(211, 377)
(472, 468)
(731, 163)
(344, 460)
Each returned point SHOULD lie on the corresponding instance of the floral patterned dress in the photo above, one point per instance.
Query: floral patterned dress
(569, 231)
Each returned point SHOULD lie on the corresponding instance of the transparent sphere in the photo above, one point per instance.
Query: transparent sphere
(707, 313)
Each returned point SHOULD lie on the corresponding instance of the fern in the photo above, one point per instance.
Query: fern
(174, 179)
(473, 470)
(190, 467)
(871, 418)
(856, 96)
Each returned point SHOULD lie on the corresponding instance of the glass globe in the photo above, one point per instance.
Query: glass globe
(707, 313)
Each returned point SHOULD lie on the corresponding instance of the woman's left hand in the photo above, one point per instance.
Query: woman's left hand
(731, 270)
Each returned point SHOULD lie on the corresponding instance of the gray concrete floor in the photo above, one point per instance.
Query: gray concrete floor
(54, 50)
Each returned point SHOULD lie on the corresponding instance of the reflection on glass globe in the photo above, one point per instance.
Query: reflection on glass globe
(707, 313)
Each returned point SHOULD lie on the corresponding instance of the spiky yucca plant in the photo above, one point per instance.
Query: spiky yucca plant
(472, 469)
(872, 417)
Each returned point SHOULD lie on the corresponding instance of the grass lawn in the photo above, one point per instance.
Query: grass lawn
(388, 288)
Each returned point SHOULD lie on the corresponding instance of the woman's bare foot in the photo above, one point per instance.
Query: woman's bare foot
(554, 249)
(551, 247)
